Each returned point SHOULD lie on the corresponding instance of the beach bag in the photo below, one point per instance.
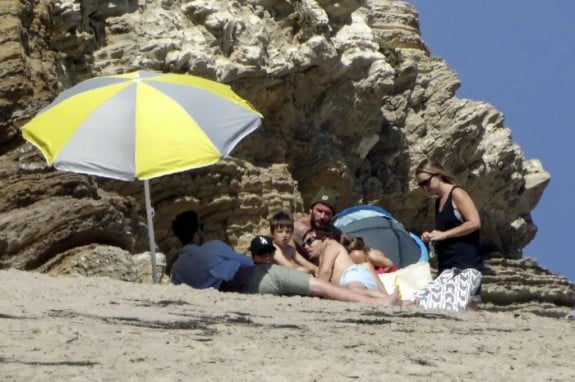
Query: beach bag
(451, 290)
(407, 280)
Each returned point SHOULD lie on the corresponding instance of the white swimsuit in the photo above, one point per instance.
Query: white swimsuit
(357, 272)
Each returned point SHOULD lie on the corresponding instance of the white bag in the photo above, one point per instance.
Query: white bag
(408, 279)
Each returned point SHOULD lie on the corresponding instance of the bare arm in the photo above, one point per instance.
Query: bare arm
(327, 262)
(281, 259)
(300, 228)
(378, 259)
(306, 264)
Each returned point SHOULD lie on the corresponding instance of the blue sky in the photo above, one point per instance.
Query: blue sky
(520, 57)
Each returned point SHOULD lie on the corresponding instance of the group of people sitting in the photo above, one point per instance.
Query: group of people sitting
(214, 264)
(310, 257)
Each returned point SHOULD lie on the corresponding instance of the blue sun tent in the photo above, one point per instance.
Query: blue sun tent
(381, 231)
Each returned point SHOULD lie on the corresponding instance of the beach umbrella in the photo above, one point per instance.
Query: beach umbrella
(141, 125)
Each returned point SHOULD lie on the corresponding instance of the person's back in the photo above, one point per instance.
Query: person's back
(361, 254)
(207, 265)
(301, 226)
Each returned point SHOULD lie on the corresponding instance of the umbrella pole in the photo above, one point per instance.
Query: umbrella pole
(151, 238)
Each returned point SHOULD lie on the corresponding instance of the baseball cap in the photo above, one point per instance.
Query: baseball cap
(262, 244)
(326, 196)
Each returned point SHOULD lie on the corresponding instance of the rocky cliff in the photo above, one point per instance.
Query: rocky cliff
(352, 100)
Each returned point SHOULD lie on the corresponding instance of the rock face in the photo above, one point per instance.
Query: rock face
(352, 100)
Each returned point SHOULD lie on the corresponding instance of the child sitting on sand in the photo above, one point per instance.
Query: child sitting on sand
(281, 228)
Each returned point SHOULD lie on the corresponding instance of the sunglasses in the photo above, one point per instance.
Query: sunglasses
(425, 183)
(310, 240)
(267, 253)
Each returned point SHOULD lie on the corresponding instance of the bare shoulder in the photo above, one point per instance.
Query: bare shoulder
(300, 227)
(302, 223)
(459, 191)
(460, 195)
(376, 252)
(335, 247)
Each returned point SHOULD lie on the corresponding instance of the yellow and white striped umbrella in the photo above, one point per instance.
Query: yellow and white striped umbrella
(141, 125)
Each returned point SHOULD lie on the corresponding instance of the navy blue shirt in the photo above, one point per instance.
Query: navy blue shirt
(208, 265)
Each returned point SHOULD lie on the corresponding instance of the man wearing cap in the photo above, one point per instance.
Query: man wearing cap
(214, 264)
(322, 208)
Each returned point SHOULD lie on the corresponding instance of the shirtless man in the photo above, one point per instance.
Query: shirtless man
(336, 266)
(322, 208)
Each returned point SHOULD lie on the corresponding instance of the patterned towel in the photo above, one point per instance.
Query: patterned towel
(452, 290)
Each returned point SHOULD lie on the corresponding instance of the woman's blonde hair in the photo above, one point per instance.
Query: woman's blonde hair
(428, 166)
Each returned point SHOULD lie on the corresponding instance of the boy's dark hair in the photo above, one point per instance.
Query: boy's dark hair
(279, 220)
(185, 225)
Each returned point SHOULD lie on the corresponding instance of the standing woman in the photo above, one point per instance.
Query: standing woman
(457, 222)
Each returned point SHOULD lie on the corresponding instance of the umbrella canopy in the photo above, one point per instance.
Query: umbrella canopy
(141, 125)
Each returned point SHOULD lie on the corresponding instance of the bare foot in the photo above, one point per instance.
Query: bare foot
(408, 303)
(473, 306)
(390, 299)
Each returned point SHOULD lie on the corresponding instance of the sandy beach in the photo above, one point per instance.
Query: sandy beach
(99, 329)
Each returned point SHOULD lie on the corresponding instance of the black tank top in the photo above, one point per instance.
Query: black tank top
(460, 252)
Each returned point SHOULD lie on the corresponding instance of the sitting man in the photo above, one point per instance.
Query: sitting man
(336, 266)
(322, 209)
(214, 264)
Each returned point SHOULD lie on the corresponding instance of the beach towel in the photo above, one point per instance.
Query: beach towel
(451, 290)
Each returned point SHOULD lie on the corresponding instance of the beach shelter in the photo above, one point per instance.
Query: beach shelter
(380, 230)
(141, 125)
